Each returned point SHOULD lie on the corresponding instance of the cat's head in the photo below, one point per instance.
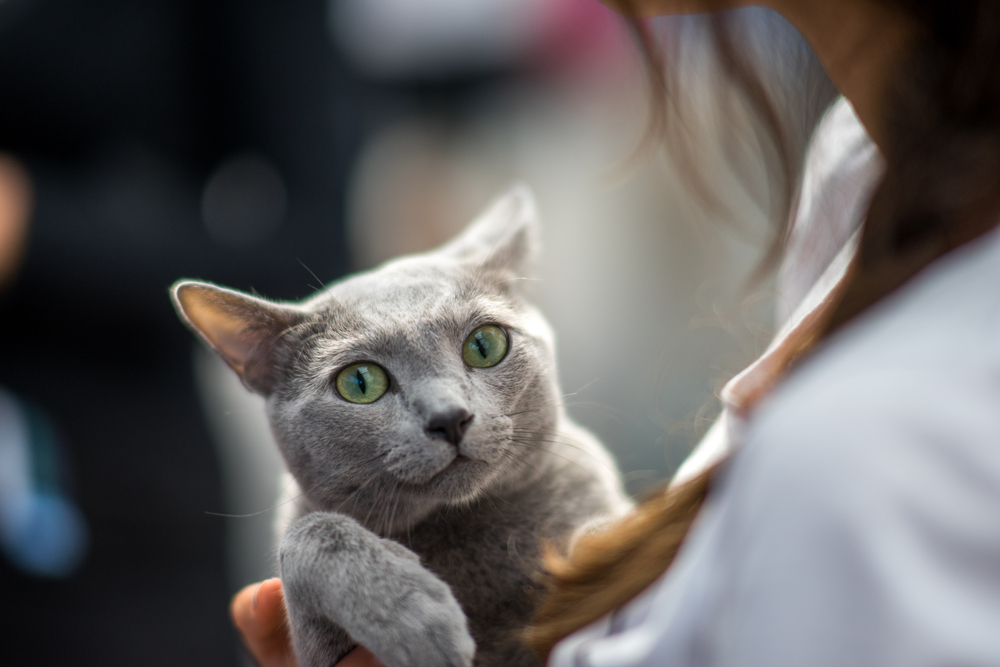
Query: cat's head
(422, 383)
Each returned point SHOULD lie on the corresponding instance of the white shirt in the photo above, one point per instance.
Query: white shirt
(858, 521)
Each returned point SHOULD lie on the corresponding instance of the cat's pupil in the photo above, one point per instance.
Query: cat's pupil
(480, 344)
(353, 383)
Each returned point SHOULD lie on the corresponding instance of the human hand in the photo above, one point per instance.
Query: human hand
(259, 613)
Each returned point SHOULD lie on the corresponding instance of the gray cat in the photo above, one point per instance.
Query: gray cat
(417, 407)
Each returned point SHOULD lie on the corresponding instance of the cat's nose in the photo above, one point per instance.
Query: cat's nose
(450, 425)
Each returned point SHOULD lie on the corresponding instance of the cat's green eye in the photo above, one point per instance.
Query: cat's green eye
(362, 383)
(485, 347)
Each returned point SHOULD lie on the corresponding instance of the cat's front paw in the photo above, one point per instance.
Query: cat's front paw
(335, 571)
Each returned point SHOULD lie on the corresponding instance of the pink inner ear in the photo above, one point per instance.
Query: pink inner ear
(244, 330)
(220, 321)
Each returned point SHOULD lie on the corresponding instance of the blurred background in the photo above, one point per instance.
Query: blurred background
(274, 146)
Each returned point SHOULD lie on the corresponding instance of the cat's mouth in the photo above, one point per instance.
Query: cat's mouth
(453, 477)
(460, 476)
(461, 463)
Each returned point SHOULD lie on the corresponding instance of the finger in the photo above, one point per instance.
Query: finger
(360, 657)
(259, 613)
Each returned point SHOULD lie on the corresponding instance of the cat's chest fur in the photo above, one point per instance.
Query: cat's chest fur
(490, 559)
(489, 552)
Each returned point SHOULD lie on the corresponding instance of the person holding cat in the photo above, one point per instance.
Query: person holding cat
(843, 511)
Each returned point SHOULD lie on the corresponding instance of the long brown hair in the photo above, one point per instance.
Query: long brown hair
(941, 189)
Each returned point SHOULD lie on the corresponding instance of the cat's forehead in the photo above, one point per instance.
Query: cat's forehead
(407, 292)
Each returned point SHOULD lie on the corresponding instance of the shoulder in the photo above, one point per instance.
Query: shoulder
(923, 364)
(900, 411)
(881, 434)
(859, 516)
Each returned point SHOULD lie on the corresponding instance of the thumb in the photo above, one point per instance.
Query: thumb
(259, 613)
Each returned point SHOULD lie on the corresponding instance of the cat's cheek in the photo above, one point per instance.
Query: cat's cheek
(487, 439)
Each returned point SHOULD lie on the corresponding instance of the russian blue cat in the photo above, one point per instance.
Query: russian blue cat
(417, 407)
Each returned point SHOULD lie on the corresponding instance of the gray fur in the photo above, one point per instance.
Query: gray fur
(421, 550)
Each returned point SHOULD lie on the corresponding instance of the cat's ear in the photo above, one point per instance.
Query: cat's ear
(504, 237)
(244, 330)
